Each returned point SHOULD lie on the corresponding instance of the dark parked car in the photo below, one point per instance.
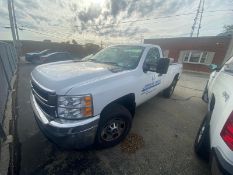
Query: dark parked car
(56, 56)
(34, 56)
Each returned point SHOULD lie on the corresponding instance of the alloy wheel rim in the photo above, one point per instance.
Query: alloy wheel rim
(113, 130)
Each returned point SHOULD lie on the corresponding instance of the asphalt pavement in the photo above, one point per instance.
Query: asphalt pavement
(160, 141)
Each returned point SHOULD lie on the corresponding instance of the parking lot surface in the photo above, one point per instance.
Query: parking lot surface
(160, 141)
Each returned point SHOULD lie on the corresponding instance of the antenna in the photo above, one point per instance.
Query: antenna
(202, 10)
(198, 18)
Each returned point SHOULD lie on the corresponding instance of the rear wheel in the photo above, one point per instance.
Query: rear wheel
(114, 125)
(169, 91)
(201, 145)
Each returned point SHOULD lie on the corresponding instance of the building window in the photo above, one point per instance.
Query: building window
(195, 56)
(204, 57)
(186, 56)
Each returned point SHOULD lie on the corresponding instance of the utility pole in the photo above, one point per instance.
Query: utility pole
(12, 22)
(15, 22)
(202, 10)
(198, 18)
(13, 26)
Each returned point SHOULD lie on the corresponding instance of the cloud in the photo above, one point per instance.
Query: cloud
(90, 14)
(117, 6)
(39, 18)
(4, 14)
(115, 11)
(27, 4)
(143, 8)
(126, 32)
(104, 19)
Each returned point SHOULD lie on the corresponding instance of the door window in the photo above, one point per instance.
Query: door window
(152, 55)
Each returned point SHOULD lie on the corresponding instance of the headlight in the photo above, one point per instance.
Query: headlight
(75, 107)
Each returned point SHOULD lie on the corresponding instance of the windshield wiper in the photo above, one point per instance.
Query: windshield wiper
(84, 60)
(105, 62)
(114, 64)
(109, 62)
(102, 62)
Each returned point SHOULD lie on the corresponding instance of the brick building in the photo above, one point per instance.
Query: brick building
(196, 53)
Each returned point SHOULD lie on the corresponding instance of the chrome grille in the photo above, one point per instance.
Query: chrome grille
(47, 100)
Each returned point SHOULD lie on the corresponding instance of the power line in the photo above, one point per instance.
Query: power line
(46, 34)
(140, 20)
(6, 27)
(145, 19)
(122, 22)
(156, 18)
(41, 33)
(58, 32)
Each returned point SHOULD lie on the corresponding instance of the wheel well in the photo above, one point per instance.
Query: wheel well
(177, 76)
(212, 103)
(128, 101)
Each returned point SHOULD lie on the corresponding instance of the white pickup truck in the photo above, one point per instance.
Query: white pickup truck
(214, 139)
(78, 103)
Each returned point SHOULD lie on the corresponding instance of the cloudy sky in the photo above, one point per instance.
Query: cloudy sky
(112, 20)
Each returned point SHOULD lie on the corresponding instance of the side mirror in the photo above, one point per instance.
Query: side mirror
(150, 66)
(162, 65)
(159, 66)
(213, 67)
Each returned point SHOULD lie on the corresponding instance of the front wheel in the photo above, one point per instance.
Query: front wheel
(114, 125)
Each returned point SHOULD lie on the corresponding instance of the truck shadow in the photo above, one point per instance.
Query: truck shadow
(43, 157)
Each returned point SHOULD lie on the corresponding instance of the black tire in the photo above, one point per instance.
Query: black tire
(202, 143)
(113, 114)
(167, 93)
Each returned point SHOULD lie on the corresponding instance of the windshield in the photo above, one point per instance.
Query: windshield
(122, 56)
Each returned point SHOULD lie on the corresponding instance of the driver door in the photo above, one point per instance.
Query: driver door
(151, 81)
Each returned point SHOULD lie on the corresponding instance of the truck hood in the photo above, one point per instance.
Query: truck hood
(62, 76)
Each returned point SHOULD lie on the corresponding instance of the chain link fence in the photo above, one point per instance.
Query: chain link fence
(8, 65)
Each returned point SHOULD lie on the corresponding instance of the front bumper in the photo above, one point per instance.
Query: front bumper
(219, 164)
(67, 134)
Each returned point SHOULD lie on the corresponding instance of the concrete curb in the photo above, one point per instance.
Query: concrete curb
(6, 148)
(196, 72)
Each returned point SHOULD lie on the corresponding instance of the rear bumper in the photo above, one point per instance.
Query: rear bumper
(67, 134)
(219, 164)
